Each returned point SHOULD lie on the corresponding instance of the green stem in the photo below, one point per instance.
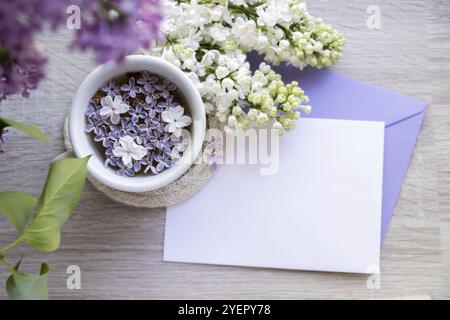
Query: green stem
(208, 47)
(250, 13)
(286, 31)
(7, 264)
(10, 246)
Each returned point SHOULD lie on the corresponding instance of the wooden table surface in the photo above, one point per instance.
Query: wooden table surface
(119, 249)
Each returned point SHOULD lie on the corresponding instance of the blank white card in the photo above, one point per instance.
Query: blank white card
(321, 211)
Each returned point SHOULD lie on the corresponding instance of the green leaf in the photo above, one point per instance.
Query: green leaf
(17, 207)
(63, 188)
(61, 194)
(43, 234)
(21, 286)
(29, 129)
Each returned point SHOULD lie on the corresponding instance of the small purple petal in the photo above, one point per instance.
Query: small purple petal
(160, 167)
(153, 169)
(113, 162)
(137, 166)
(89, 128)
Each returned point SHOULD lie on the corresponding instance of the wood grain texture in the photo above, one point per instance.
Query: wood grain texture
(119, 249)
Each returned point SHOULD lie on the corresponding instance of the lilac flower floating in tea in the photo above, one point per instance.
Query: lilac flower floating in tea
(112, 108)
(129, 150)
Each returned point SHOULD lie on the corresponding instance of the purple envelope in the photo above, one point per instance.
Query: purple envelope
(336, 97)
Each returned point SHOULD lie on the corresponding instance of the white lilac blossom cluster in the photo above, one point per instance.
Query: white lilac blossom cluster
(139, 125)
(209, 39)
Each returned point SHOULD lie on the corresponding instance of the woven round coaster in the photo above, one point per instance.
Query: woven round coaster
(179, 190)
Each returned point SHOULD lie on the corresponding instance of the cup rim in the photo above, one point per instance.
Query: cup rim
(82, 143)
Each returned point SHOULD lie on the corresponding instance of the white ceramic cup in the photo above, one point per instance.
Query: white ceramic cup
(83, 144)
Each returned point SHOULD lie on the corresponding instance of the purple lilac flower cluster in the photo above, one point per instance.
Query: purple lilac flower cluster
(111, 28)
(144, 98)
(22, 64)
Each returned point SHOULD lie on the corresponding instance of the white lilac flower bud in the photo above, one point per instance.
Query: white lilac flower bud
(208, 59)
(232, 121)
(262, 118)
(281, 98)
(252, 114)
(169, 55)
(294, 100)
(307, 109)
(232, 65)
(279, 34)
(227, 84)
(222, 60)
(277, 125)
(264, 67)
(282, 90)
(297, 36)
(216, 13)
(284, 44)
(287, 107)
(318, 46)
(288, 124)
(222, 72)
(189, 64)
(309, 49)
(262, 41)
(219, 32)
(272, 112)
(229, 45)
(237, 111)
